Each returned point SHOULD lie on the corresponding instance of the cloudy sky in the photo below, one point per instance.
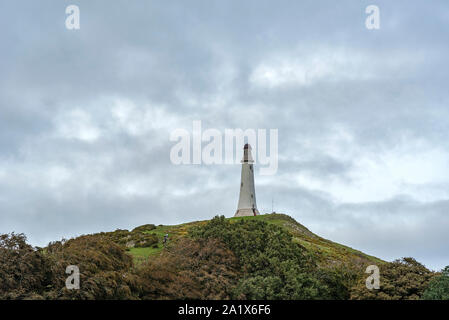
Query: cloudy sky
(362, 116)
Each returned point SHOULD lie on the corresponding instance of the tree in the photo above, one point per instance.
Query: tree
(23, 269)
(438, 287)
(402, 279)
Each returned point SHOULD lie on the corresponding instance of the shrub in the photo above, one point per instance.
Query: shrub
(438, 287)
(103, 265)
(145, 227)
(402, 279)
(273, 266)
(23, 269)
(189, 270)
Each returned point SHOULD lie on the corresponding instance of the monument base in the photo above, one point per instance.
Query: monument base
(246, 212)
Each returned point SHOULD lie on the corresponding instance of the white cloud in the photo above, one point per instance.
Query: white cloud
(288, 69)
(414, 167)
(76, 124)
(329, 64)
(138, 119)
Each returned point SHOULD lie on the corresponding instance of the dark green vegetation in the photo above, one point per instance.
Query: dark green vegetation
(438, 288)
(402, 279)
(263, 257)
(271, 264)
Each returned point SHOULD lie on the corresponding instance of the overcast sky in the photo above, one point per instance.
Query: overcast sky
(362, 116)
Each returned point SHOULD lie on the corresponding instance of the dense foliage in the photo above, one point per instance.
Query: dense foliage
(191, 269)
(138, 238)
(24, 272)
(402, 279)
(438, 287)
(221, 259)
(272, 265)
(104, 268)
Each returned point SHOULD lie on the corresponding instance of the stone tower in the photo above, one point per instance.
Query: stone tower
(247, 201)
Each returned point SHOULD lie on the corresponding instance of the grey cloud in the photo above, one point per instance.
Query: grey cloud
(69, 165)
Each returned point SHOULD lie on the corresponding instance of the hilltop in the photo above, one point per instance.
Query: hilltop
(326, 251)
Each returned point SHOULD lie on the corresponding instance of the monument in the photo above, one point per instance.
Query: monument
(247, 201)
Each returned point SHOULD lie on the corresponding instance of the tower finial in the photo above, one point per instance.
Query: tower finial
(247, 156)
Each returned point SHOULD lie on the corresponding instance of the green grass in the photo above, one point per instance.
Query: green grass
(141, 254)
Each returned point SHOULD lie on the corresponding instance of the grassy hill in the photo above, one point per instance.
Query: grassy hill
(269, 256)
(328, 252)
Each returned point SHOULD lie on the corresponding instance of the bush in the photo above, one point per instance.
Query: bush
(23, 269)
(402, 279)
(339, 279)
(104, 268)
(145, 227)
(438, 287)
(189, 270)
(273, 266)
(137, 238)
